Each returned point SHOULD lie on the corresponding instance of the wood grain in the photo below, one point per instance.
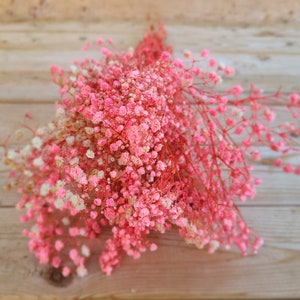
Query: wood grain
(192, 11)
(268, 55)
(258, 54)
(277, 189)
(174, 271)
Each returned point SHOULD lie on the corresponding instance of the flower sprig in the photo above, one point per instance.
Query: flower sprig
(143, 142)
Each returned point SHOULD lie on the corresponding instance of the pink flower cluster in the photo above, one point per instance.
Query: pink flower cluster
(143, 142)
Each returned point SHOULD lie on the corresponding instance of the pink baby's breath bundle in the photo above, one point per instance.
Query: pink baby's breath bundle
(143, 142)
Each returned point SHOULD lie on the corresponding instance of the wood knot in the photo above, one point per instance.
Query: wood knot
(54, 277)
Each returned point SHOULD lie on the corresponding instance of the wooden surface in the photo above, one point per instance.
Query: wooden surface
(268, 54)
(246, 12)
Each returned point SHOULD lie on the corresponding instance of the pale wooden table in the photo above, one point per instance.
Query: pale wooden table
(263, 45)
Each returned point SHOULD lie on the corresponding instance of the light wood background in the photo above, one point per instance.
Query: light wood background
(261, 39)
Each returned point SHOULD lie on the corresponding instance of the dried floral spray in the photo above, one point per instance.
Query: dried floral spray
(143, 142)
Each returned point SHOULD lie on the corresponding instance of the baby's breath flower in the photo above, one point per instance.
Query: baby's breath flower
(60, 112)
(81, 271)
(90, 154)
(38, 162)
(70, 140)
(65, 221)
(11, 154)
(59, 203)
(73, 69)
(85, 250)
(59, 161)
(45, 189)
(36, 142)
(89, 130)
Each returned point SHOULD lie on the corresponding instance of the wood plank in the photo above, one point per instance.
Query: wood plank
(278, 38)
(195, 11)
(267, 63)
(175, 270)
(13, 118)
(37, 87)
(44, 112)
(277, 189)
(266, 56)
